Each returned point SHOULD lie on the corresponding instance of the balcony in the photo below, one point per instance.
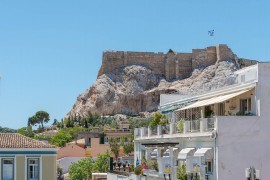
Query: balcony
(179, 129)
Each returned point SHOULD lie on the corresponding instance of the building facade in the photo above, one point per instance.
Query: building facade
(216, 135)
(26, 159)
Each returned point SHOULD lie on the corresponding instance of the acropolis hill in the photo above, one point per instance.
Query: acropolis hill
(172, 65)
(131, 82)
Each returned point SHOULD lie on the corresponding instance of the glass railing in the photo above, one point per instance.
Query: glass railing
(199, 125)
(137, 132)
(195, 125)
(178, 128)
(146, 132)
(165, 129)
(210, 124)
(154, 131)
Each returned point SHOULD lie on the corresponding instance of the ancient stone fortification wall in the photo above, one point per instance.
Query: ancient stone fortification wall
(171, 65)
(117, 59)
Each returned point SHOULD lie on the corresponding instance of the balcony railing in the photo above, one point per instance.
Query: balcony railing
(194, 126)
(154, 131)
(165, 129)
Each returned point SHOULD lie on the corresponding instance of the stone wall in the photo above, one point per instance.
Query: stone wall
(171, 65)
(246, 62)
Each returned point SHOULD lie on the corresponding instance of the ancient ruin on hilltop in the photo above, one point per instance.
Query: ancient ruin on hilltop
(131, 82)
(172, 65)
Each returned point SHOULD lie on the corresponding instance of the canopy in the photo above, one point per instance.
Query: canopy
(206, 152)
(167, 152)
(153, 154)
(186, 152)
(213, 100)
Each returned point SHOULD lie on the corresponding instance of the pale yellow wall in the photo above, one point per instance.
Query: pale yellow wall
(236, 102)
(20, 167)
(48, 167)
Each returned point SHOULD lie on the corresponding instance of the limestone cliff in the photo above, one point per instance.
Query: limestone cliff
(130, 88)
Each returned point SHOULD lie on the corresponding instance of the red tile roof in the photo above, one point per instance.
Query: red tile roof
(14, 140)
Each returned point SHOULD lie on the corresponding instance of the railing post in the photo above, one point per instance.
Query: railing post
(203, 125)
(186, 127)
(172, 128)
(215, 122)
(142, 131)
(149, 131)
(159, 132)
(136, 133)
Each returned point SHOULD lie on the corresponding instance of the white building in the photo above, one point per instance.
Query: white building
(217, 134)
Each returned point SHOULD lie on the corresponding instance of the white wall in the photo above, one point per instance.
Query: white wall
(243, 141)
(240, 145)
(168, 98)
(111, 176)
(250, 74)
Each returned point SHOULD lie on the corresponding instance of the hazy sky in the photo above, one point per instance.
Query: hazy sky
(50, 50)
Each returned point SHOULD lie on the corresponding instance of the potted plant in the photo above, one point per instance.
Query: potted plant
(180, 125)
(152, 164)
(138, 170)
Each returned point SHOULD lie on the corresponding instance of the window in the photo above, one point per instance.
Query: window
(249, 104)
(101, 140)
(33, 169)
(221, 109)
(209, 167)
(8, 169)
(245, 106)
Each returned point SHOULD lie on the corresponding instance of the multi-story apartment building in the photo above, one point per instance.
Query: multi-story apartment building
(217, 134)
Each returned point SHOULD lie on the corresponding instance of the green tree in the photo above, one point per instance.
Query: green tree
(159, 119)
(137, 122)
(82, 170)
(115, 147)
(6, 130)
(26, 131)
(69, 122)
(55, 122)
(85, 123)
(102, 162)
(128, 146)
(61, 138)
(65, 135)
(40, 117)
(181, 172)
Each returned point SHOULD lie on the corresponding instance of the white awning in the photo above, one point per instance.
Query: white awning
(153, 154)
(213, 100)
(167, 152)
(206, 152)
(186, 152)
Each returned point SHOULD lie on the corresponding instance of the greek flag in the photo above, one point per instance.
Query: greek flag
(211, 32)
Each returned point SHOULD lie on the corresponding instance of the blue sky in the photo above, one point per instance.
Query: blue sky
(50, 51)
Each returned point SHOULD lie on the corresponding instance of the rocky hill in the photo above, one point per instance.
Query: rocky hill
(133, 88)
